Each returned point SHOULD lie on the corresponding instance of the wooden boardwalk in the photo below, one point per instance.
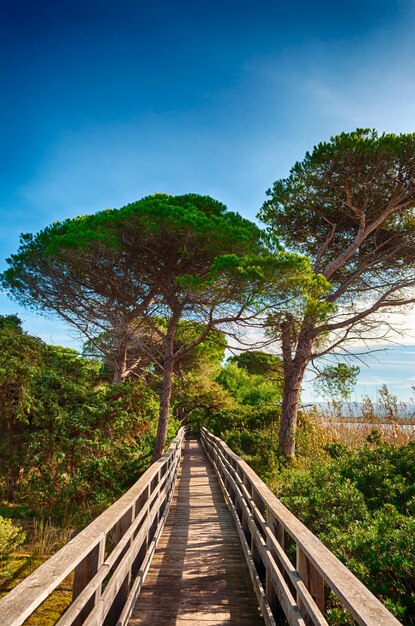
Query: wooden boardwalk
(198, 576)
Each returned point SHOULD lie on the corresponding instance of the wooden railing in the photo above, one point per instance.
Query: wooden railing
(109, 559)
(287, 593)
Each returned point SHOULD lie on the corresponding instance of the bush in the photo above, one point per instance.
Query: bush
(381, 553)
(71, 440)
(361, 504)
(11, 537)
(322, 499)
(384, 474)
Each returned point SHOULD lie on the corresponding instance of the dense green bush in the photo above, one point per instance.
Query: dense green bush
(360, 502)
(383, 473)
(70, 439)
(98, 450)
(11, 537)
(380, 550)
(322, 499)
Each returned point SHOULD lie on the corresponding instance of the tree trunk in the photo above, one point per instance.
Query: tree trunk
(293, 378)
(120, 360)
(13, 481)
(165, 397)
(289, 409)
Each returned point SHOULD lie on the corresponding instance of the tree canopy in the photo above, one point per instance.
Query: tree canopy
(175, 258)
(349, 206)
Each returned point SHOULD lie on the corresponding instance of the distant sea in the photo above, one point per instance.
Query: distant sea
(356, 409)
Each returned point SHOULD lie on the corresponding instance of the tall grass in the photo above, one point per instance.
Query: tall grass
(46, 539)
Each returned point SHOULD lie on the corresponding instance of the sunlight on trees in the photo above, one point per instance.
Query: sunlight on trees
(349, 206)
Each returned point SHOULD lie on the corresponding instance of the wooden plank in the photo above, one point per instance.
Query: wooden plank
(100, 611)
(269, 587)
(364, 607)
(121, 528)
(84, 573)
(313, 582)
(110, 562)
(246, 514)
(198, 573)
(20, 603)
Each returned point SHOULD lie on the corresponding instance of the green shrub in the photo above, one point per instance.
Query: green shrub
(321, 498)
(361, 504)
(11, 537)
(381, 553)
(384, 474)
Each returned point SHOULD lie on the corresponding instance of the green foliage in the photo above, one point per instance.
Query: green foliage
(257, 362)
(249, 389)
(10, 322)
(337, 381)
(303, 206)
(381, 552)
(132, 247)
(384, 474)
(255, 444)
(173, 258)
(95, 450)
(361, 503)
(69, 439)
(322, 499)
(11, 537)
(19, 365)
(248, 419)
(349, 207)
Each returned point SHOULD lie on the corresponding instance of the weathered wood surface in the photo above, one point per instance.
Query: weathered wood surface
(101, 586)
(266, 522)
(198, 575)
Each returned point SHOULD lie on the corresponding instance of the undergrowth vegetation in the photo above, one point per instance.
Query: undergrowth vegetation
(73, 442)
(361, 503)
(352, 487)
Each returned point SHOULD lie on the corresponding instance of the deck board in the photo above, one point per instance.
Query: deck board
(198, 576)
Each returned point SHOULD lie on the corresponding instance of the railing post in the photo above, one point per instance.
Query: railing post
(238, 507)
(117, 606)
(154, 525)
(314, 583)
(141, 502)
(84, 573)
(256, 555)
(244, 521)
(277, 530)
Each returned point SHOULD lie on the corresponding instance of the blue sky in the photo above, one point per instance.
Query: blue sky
(105, 102)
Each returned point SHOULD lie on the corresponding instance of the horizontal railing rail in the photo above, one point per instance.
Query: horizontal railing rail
(109, 558)
(287, 593)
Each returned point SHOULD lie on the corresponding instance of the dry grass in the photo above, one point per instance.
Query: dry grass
(46, 539)
(353, 431)
(355, 434)
(320, 427)
(43, 540)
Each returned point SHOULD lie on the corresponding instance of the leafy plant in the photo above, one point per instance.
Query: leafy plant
(361, 503)
(11, 537)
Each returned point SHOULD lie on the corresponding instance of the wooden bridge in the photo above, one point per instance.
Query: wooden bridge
(199, 540)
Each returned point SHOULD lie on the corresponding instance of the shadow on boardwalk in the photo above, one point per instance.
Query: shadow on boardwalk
(198, 574)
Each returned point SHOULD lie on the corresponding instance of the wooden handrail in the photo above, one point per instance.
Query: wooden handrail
(109, 558)
(263, 522)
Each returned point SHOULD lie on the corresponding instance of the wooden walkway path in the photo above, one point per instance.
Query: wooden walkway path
(198, 576)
